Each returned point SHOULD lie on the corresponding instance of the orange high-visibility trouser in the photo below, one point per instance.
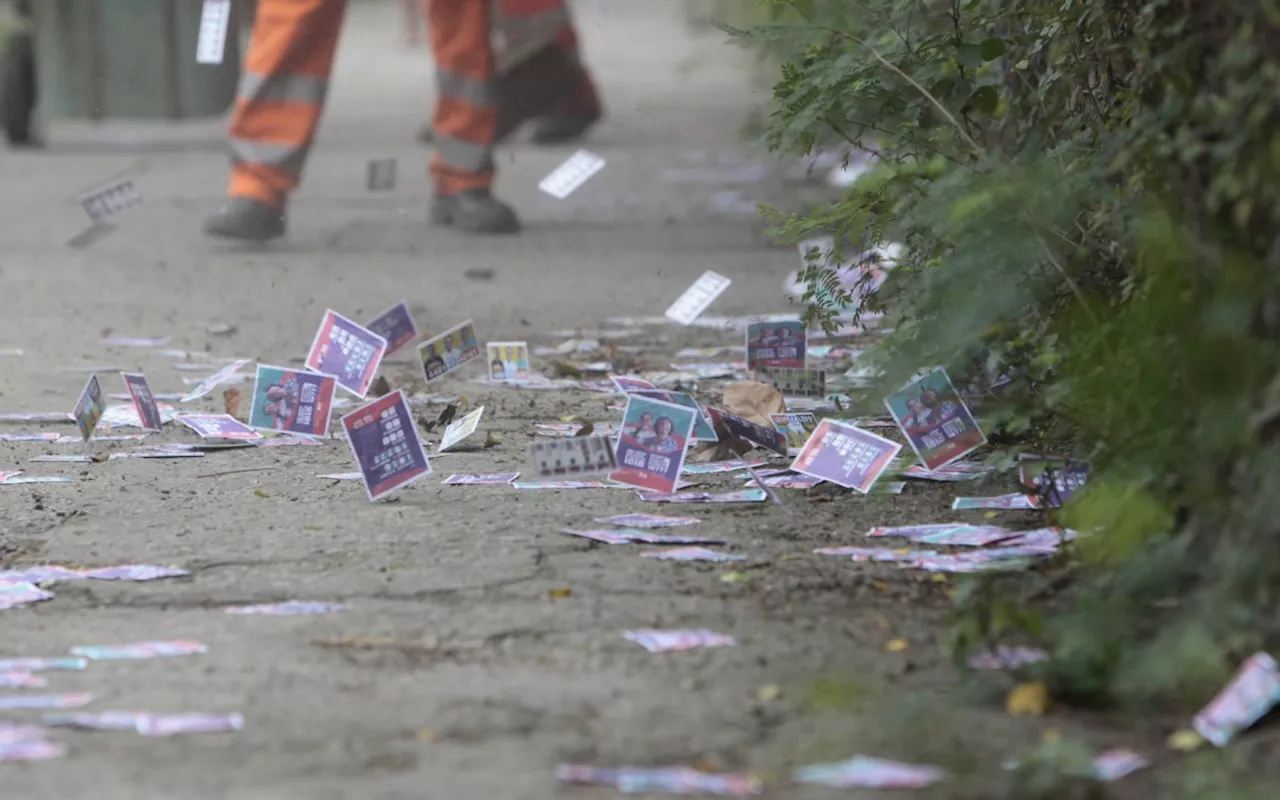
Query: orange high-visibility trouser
(286, 76)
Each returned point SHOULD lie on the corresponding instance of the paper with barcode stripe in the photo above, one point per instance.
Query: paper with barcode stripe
(211, 43)
(698, 297)
(565, 179)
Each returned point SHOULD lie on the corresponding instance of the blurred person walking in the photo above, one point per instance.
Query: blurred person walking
(523, 33)
(286, 77)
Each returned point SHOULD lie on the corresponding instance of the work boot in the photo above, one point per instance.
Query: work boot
(561, 128)
(246, 219)
(474, 211)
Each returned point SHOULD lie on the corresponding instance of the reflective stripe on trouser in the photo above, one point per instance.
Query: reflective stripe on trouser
(466, 114)
(281, 95)
(535, 21)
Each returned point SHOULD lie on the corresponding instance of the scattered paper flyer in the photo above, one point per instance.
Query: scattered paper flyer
(627, 384)
(559, 485)
(223, 375)
(713, 467)
(1056, 480)
(755, 495)
(797, 427)
(448, 351)
(697, 298)
(39, 664)
(15, 594)
(508, 362)
(863, 772)
(1005, 502)
(692, 554)
(381, 175)
(211, 41)
(174, 724)
(289, 608)
(349, 352)
(143, 401)
(846, 455)
(89, 408)
(460, 429)
(110, 199)
(480, 480)
(793, 382)
(396, 325)
(666, 780)
(218, 426)
(385, 444)
(666, 641)
(139, 650)
(292, 401)
(1004, 657)
(565, 179)
(935, 420)
(1253, 692)
(1116, 764)
(768, 438)
(627, 536)
(21, 680)
(702, 428)
(96, 720)
(24, 702)
(652, 444)
(581, 455)
(648, 521)
(776, 344)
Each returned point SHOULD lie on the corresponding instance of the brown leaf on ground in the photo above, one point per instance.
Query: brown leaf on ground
(753, 401)
(586, 429)
(231, 402)
(380, 387)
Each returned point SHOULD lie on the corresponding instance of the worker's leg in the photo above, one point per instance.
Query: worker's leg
(465, 119)
(277, 111)
(577, 105)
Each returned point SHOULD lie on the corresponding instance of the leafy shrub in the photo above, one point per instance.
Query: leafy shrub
(1087, 192)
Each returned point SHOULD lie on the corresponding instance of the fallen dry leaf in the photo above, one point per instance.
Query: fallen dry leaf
(735, 577)
(1027, 699)
(231, 402)
(492, 439)
(768, 693)
(1184, 741)
(560, 593)
(565, 369)
(380, 387)
(586, 430)
(753, 401)
(259, 493)
(896, 645)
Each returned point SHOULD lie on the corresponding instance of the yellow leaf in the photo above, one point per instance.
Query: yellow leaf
(559, 593)
(881, 585)
(259, 493)
(896, 645)
(938, 577)
(569, 418)
(991, 514)
(1185, 740)
(735, 577)
(769, 692)
(793, 557)
(1027, 699)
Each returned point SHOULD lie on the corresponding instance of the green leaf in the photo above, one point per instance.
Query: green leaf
(985, 99)
(992, 49)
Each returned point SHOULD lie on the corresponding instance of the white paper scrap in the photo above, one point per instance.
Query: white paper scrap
(698, 297)
(565, 179)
